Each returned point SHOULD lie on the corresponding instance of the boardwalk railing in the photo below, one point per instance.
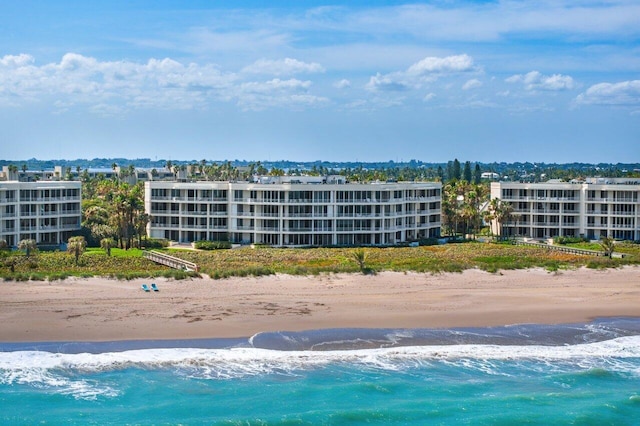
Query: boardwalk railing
(572, 250)
(173, 262)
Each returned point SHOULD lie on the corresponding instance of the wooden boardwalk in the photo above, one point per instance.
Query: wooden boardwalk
(564, 249)
(171, 261)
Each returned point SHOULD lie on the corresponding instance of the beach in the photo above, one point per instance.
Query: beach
(102, 309)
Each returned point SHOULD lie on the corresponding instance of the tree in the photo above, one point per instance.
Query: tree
(608, 245)
(28, 246)
(501, 212)
(107, 244)
(456, 169)
(477, 175)
(466, 175)
(360, 256)
(488, 217)
(76, 246)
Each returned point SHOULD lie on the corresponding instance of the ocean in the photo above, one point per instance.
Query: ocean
(570, 374)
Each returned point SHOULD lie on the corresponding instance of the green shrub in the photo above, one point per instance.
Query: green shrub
(569, 240)
(212, 245)
(429, 242)
(155, 243)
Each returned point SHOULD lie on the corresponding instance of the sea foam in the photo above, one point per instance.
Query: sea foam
(235, 362)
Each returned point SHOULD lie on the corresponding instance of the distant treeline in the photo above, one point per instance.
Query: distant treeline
(392, 169)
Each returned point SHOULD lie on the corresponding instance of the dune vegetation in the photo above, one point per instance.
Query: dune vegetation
(246, 261)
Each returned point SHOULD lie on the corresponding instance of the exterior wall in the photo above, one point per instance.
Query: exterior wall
(595, 209)
(47, 212)
(294, 214)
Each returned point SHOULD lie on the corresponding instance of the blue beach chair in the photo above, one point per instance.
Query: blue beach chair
(155, 287)
(145, 287)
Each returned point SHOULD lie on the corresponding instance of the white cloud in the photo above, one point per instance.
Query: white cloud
(426, 70)
(625, 93)
(389, 82)
(342, 84)
(114, 87)
(277, 93)
(15, 61)
(472, 84)
(435, 65)
(428, 97)
(488, 21)
(534, 80)
(282, 67)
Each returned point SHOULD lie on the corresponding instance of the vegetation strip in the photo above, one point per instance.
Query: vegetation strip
(246, 261)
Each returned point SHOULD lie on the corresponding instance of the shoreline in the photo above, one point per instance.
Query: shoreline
(107, 310)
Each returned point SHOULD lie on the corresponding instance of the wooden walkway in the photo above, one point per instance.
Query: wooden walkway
(564, 249)
(171, 261)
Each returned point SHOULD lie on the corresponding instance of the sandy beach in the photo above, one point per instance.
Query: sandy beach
(99, 309)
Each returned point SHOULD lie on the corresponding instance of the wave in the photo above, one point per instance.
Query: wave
(82, 376)
(34, 366)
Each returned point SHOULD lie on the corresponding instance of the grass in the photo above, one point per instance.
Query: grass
(430, 259)
(491, 257)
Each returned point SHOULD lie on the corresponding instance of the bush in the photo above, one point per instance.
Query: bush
(429, 242)
(212, 245)
(155, 243)
(569, 240)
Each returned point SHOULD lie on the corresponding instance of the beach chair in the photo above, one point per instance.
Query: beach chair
(145, 287)
(155, 287)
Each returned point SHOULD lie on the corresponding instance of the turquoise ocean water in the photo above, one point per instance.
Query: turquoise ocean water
(574, 374)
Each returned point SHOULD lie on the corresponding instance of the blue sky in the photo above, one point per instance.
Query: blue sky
(544, 81)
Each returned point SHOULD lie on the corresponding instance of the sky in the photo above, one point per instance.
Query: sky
(553, 81)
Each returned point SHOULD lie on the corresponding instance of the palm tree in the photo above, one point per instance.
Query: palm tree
(608, 245)
(501, 212)
(360, 256)
(503, 215)
(28, 246)
(488, 217)
(107, 244)
(76, 246)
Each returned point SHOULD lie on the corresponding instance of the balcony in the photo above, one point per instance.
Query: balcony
(194, 226)
(70, 226)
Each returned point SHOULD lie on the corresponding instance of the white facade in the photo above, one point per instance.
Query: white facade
(47, 212)
(293, 214)
(593, 209)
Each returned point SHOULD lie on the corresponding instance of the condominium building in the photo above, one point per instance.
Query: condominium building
(47, 212)
(294, 211)
(595, 208)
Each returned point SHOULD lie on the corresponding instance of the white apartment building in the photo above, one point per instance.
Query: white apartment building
(47, 212)
(595, 208)
(294, 211)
